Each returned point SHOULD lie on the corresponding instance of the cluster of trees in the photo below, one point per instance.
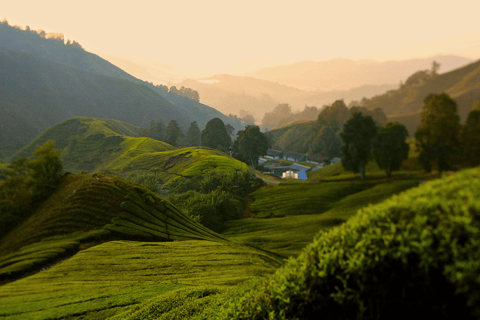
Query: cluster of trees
(361, 135)
(172, 133)
(184, 92)
(282, 115)
(26, 183)
(42, 34)
(442, 142)
(214, 197)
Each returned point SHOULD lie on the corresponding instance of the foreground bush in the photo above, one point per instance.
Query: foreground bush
(416, 255)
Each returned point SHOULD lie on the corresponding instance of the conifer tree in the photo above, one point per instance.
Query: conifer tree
(173, 133)
(193, 135)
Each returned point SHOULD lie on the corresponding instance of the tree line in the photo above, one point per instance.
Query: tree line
(184, 92)
(442, 142)
(41, 34)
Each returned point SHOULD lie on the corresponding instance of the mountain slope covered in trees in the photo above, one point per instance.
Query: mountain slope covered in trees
(405, 104)
(41, 74)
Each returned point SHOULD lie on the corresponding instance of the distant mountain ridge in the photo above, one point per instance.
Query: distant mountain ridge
(343, 74)
(58, 81)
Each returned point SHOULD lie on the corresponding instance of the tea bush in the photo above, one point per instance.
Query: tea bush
(415, 255)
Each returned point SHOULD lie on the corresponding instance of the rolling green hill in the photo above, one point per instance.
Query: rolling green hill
(89, 144)
(86, 210)
(93, 145)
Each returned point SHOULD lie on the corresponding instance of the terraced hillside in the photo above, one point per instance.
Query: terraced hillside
(289, 216)
(87, 210)
(90, 145)
(114, 277)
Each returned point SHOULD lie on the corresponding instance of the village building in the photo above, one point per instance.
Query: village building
(274, 154)
(294, 156)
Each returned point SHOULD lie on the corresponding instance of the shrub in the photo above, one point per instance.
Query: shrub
(415, 255)
(211, 209)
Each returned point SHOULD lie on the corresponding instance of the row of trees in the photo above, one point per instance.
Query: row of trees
(184, 92)
(441, 141)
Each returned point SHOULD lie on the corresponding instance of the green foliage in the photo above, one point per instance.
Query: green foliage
(28, 183)
(328, 142)
(390, 148)
(210, 209)
(250, 145)
(438, 133)
(215, 135)
(193, 135)
(214, 197)
(413, 256)
(357, 135)
(173, 133)
(470, 142)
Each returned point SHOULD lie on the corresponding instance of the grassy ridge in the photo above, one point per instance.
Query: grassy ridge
(88, 144)
(288, 235)
(181, 162)
(113, 277)
(87, 210)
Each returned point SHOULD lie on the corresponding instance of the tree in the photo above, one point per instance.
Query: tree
(250, 145)
(390, 148)
(44, 172)
(173, 133)
(215, 135)
(230, 129)
(327, 142)
(437, 135)
(193, 135)
(157, 130)
(471, 137)
(357, 135)
(435, 68)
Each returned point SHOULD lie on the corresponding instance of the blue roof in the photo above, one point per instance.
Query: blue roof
(302, 175)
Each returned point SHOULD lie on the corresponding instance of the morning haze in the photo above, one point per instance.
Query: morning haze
(239, 160)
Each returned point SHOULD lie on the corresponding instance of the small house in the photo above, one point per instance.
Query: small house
(294, 156)
(274, 154)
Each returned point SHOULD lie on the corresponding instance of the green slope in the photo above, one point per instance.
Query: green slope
(88, 144)
(114, 277)
(39, 93)
(86, 210)
(295, 213)
(405, 104)
(92, 145)
(412, 256)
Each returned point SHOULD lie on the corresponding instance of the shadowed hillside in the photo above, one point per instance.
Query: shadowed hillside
(405, 104)
(37, 93)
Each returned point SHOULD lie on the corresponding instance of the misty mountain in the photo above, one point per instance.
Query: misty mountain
(36, 93)
(54, 48)
(343, 74)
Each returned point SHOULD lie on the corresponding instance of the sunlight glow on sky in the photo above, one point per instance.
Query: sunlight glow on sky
(212, 35)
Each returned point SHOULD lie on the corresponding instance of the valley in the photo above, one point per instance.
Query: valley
(219, 198)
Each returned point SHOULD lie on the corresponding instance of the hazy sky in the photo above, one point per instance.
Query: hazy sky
(212, 35)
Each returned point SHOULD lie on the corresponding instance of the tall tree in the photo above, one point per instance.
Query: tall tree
(357, 135)
(390, 148)
(157, 130)
(250, 145)
(230, 129)
(327, 142)
(471, 137)
(193, 135)
(215, 135)
(437, 134)
(173, 133)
